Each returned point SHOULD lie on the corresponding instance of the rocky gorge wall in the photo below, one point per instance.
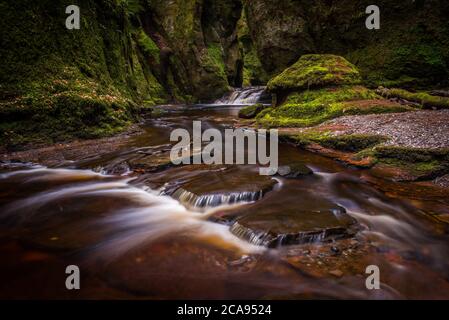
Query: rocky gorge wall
(410, 48)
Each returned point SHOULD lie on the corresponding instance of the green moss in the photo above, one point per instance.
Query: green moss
(425, 99)
(430, 162)
(64, 116)
(213, 60)
(148, 46)
(315, 71)
(310, 108)
(412, 154)
(253, 71)
(250, 112)
(348, 143)
(351, 143)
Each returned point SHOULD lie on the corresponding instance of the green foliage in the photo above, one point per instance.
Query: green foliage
(64, 109)
(412, 57)
(131, 7)
(315, 71)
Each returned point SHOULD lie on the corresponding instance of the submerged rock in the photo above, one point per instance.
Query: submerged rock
(294, 171)
(214, 188)
(294, 226)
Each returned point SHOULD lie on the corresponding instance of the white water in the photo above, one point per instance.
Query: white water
(144, 217)
(242, 96)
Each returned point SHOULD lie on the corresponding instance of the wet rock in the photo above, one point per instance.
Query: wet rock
(295, 226)
(335, 250)
(150, 163)
(294, 171)
(120, 168)
(183, 268)
(442, 181)
(440, 93)
(212, 188)
(251, 112)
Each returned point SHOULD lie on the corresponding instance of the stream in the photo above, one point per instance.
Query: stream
(138, 226)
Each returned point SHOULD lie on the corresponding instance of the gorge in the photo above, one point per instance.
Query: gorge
(87, 177)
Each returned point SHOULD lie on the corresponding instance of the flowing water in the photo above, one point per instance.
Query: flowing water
(139, 227)
(245, 96)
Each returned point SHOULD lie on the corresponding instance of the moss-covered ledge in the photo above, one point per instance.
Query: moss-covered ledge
(371, 151)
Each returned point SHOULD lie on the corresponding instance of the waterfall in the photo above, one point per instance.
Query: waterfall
(214, 200)
(244, 96)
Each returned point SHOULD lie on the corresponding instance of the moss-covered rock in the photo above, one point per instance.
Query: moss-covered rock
(424, 99)
(346, 142)
(421, 163)
(250, 112)
(350, 143)
(309, 108)
(315, 71)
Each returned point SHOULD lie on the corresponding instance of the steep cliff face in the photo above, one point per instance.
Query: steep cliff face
(279, 32)
(411, 48)
(58, 83)
(199, 40)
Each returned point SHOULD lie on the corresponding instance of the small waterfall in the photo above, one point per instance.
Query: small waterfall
(273, 240)
(244, 96)
(214, 200)
(258, 238)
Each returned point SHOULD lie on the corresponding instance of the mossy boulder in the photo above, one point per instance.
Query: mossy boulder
(251, 112)
(315, 71)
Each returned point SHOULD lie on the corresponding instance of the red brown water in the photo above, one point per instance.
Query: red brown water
(145, 235)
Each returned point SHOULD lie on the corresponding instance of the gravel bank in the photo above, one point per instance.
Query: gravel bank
(418, 129)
